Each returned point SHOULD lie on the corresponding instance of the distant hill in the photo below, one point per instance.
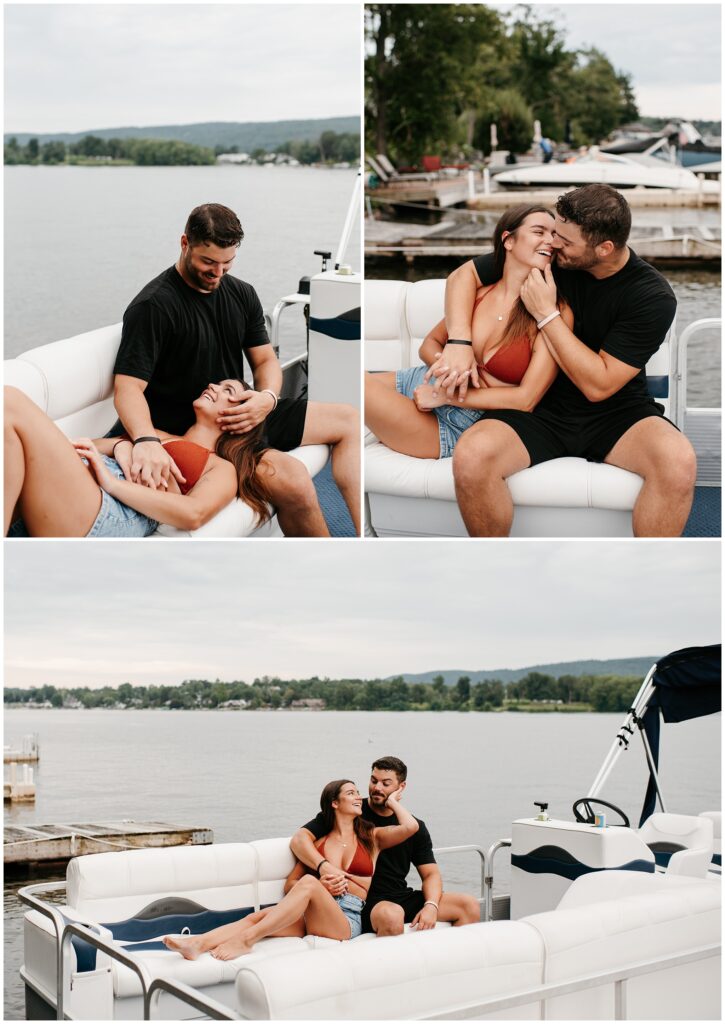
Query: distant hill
(613, 666)
(247, 135)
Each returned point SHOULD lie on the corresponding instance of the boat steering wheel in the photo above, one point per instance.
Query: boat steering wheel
(588, 817)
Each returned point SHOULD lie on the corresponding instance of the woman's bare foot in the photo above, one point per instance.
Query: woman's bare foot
(231, 949)
(188, 945)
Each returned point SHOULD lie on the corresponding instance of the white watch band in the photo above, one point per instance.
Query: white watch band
(548, 319)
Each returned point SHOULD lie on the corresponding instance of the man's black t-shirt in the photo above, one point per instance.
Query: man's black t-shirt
(626, 315)
(179, 340)
(392, 867)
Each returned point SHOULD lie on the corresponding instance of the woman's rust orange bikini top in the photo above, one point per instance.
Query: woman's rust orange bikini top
(361, 863)
(191, 458)
(510, 363)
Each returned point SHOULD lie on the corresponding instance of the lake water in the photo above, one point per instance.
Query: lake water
(254, 775)
(80, 242)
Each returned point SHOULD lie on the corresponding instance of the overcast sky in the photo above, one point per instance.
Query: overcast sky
(100, 613)
(672, 51)
(70, 67)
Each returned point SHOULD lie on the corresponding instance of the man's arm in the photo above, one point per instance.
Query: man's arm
(432, 886)
(258, 404)
(302, 845)
(598, 375)
(151, 464)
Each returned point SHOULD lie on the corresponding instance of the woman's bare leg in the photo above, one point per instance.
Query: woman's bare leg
(192, 946)
(307, 898)
(338, 425)
(395, 420)
(56, 494)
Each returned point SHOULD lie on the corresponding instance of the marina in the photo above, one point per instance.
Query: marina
(599, 875)
(28, 751)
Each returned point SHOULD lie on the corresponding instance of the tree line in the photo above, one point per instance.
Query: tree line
(438, 75)
(330, 147)
(535, 691)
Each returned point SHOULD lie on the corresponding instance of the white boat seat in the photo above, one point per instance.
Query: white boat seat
(72, 382)
(716, 819)
(682, 844)
(416, 497)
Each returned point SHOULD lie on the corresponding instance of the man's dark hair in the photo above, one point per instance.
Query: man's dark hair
(392, 764)
(600, 211)
(214, 223)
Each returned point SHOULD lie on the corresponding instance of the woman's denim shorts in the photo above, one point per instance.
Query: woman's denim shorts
(114, 519)
(352, 907)
(452, 420)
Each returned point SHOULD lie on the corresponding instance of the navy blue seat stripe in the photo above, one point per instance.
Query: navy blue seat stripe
(550, 866)
(658, 387)
(337, 327)
(144, 931)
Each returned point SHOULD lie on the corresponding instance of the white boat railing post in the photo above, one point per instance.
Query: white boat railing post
(27, 895)
(352, 212)
(211, 1007)
(625, 731)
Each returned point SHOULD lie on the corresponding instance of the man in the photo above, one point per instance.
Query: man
(191, 326)
(598, 406)
(391, 903)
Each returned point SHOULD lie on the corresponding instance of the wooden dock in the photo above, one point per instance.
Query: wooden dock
(459, 239)
(28, 849)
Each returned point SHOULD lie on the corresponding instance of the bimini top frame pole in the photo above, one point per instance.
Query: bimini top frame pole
(625, 734)
(352, 215)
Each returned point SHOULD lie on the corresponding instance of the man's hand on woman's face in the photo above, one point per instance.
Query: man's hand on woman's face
(538, 293)
(254, 406)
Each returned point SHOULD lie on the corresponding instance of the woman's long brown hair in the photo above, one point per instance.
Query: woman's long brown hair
(363, 829)
(520, 321)
(244, 452)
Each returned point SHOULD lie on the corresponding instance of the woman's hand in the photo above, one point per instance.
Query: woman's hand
(427, 397)
(88, 451)
(394, 798)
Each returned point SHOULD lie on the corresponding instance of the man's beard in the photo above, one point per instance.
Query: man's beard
(198, 279)
(584, 262)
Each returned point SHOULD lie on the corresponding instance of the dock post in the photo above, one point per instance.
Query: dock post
(471, 186)
(486, 181)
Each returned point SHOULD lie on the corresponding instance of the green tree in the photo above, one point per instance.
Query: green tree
(600, 100)
(421, 71)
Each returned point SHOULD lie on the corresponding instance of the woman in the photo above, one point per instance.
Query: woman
(58, 494)
(515, 367)
(351, 844)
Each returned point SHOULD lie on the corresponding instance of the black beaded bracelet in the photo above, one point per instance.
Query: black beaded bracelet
(139, 440)
(459, 341)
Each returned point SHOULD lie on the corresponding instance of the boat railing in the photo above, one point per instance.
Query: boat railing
(680, 367)
(64, 969)
(211, 1007)
(618, 977)
(482, 901)
(493, 849)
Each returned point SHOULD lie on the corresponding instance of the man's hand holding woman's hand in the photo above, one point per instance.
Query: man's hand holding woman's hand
(152, 466)
(253, 407)
(453, 370)
(334, 879)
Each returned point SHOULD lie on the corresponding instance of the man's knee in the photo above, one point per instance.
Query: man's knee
(387, 919)
(289, 481)
(674, 463)
(14, 401)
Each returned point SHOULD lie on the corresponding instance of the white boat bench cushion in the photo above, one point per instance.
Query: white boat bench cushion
(72, 382)
(404, 976)
(630, 928)
(563, 497)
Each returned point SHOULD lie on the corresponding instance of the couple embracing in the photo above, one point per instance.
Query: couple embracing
(542, 354)
(350, 875)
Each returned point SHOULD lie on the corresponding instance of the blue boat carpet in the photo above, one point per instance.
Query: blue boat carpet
(706, 516)
(333, 507)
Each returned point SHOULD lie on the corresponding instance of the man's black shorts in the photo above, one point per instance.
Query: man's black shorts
(284, 427)
(412, 902)
(548, 435)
